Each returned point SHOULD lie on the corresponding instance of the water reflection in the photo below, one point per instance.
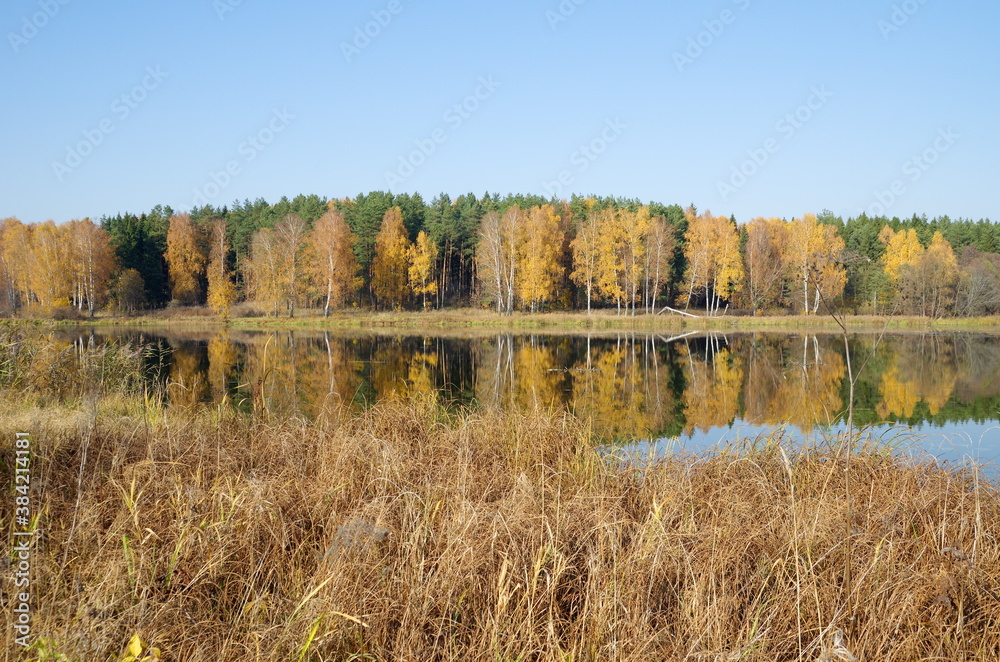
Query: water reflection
(633, 386)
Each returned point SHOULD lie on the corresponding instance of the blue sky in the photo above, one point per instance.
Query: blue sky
(743, 107)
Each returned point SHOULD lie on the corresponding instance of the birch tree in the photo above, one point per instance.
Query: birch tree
(291, 235)
(390, 266)
(586, 253)
(540, 256)
(423, 258)
(334, 265)
(221, 289)
(186, 259)
(497, 255)
(658, 260)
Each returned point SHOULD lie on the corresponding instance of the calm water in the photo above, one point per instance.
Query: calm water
(650, 391)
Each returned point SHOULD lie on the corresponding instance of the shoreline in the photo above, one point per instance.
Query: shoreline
(558, 321)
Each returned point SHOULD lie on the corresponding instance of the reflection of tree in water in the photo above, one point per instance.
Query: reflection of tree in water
(792, 380)
(309, 373)
(403, 370)
(222, 358)
(328, 380)
(187, 385)
(291, 373)
(977, 359)
(714, 380)
(923, 370)
(621, 383)
(630, 385)
(624, 387)
(515, 371)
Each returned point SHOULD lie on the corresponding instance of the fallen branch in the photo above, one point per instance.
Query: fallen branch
(679, 312)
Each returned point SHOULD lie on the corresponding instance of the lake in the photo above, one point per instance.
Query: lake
(650, 392)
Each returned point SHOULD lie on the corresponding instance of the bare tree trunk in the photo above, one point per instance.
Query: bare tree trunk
(329, 294)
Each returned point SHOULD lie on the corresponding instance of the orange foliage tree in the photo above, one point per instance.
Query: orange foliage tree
(186, 259)
(221, 289)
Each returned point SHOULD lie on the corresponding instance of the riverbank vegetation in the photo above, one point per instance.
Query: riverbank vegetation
(518, 253)
(251, 316)
(408, 531)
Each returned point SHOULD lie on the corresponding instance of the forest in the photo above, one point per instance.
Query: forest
(386, 251)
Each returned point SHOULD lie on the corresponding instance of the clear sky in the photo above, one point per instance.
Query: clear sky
(743, 107)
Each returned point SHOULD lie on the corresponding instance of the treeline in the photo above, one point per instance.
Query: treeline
(517, 252)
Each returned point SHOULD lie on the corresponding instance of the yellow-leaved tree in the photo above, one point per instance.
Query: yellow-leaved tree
(762, 260)
(540, 257)
(51, 280)
(658, 260)
(497, 255)
(621, 238)
(18, 256)
(390, 266)
(291, 235)
(93, 260)
(902, 249)
(813, 258)
(263, 270)
(221, 288)
(714, 262)
(634, 227)
(9, 228)
(423, 258)
(334, 265)
(697, 255)
(610, 239)
(928, 286)
(586, 251)
(186, 259)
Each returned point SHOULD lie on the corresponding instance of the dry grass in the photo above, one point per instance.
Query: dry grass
(407, 533)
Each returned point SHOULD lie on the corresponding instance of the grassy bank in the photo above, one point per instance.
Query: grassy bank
(598, 320)
(405, 533)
